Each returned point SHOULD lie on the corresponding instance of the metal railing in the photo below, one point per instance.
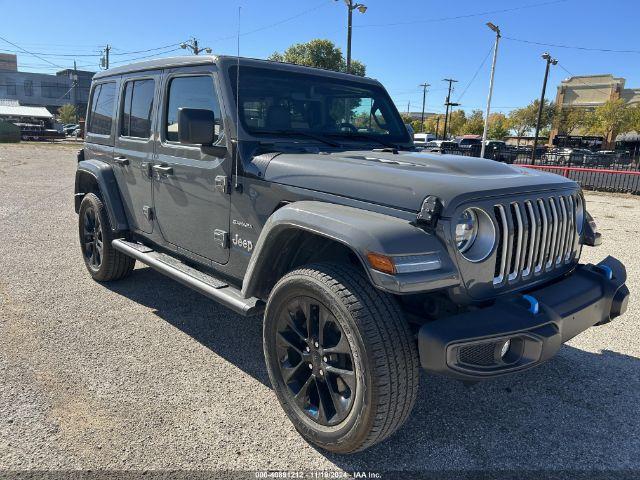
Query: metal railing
(603, 171)
(601, 179)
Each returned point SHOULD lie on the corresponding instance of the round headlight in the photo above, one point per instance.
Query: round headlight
(579, 214)
(466, 230)
(475, 234)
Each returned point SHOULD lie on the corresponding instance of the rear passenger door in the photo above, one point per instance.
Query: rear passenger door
(134, 147)
(191, 211)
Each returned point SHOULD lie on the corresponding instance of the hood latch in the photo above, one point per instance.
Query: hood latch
(429, 212)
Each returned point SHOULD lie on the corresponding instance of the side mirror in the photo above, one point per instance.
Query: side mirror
(196, 126)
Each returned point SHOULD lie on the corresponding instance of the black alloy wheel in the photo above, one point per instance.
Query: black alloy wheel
(92, 238)
(315, 361)
(103, 262)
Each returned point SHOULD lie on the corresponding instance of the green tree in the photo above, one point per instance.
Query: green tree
(498, 126)
(457, 122)
(67, 113)
(569, 119)
(632, 122)
(608, 119)
(523, 120)
(433, 123)
(474, 124)
(318, 53)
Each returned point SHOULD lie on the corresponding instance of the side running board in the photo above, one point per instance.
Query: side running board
(208, 285)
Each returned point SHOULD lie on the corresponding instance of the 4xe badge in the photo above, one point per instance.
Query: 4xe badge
(242, 243)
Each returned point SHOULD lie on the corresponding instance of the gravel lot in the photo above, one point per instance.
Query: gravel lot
(145, 374)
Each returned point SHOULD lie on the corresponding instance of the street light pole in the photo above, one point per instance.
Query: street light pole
(424, 98)
(493, 71)
(550, 61)
(350, 8)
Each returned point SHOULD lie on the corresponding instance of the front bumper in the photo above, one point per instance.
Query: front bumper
(471, 346)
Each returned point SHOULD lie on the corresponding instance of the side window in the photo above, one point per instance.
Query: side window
(137, 105)
(101, 110)
(191, 92)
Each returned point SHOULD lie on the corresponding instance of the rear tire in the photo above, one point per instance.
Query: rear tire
(103, 262)
(361, 374)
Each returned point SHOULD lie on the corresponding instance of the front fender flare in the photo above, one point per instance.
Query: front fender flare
(360, 230)
(102, 174)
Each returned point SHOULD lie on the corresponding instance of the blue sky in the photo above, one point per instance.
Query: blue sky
(403, 43)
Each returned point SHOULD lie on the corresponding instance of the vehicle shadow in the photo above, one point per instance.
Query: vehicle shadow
(579, 411)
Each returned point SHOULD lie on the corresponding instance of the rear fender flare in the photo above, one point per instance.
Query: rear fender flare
(92, 173)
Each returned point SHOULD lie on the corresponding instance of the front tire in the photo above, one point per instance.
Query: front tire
(340, 356)
(103, 262)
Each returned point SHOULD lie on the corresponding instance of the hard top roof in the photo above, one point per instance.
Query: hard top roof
(223, 61)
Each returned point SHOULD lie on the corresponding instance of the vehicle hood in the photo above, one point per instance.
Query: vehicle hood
(404, 179)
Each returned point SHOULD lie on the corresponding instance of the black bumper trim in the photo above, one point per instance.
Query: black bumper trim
(588, 296)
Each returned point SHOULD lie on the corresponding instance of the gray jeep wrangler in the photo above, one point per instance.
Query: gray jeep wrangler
(297, 193)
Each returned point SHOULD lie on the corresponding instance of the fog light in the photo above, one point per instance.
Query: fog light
(505, 348)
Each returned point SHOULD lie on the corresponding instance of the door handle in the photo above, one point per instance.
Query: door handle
(121, 160)
(163, 169)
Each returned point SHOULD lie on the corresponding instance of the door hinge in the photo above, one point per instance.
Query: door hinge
(222, 238)
(146, 169)
(222, 183)
(147, 211)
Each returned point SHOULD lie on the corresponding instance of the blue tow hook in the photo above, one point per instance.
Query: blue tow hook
(534, 305)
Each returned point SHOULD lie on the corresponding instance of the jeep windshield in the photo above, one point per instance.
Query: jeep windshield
(281, 103)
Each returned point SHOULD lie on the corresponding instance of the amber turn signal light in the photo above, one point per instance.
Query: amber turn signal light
(381, 263)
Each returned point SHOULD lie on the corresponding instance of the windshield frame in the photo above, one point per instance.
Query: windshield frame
(403, 139)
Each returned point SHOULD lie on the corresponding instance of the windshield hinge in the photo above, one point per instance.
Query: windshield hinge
(222, 183)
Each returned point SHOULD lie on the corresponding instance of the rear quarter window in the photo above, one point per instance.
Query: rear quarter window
(101, 108)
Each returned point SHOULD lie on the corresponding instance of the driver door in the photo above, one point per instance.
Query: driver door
(192, 214)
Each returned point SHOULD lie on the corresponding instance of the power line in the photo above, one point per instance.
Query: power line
(475, 75)
(584, 83)
(149, 49)
(127, 60)
(275, 24)
(574, 47)
(50, 54)
(459, 17)
(45, 54)
(30, 53)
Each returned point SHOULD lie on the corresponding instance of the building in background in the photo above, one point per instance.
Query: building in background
(44, 90)
(591, 91)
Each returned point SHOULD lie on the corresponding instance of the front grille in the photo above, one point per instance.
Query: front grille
(534, 236)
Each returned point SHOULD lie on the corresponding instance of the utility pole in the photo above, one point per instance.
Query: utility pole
(448, 104)
(408, 107)
(424, 98)
(350, 8)
(193, 46)
(550, 61)
(74, 85)
(104, 61)
(493, 71)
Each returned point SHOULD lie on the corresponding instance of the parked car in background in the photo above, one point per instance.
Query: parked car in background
(500, 151)
(467, 142)
(70, 128)
(440, 146)
(421, 139)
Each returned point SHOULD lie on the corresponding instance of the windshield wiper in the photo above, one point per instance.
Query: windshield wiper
(364, 136)
(301, 134)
